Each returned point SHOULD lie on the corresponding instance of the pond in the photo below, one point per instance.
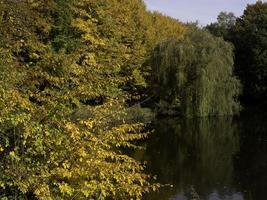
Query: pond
(211, 158)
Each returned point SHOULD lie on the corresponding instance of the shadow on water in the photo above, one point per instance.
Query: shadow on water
(219, 158)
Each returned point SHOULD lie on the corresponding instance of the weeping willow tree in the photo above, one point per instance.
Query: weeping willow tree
(196, 74)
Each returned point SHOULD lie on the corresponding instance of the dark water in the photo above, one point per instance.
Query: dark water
(217, 158)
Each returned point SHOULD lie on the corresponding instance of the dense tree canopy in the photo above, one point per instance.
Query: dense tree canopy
(248, 33)
(69, 69)
(64, 68)
(250, 40)
(223, 26)
(196, 74)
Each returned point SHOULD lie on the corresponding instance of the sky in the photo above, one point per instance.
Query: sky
(205, 11)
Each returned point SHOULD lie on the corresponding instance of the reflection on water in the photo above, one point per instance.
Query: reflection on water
(219, 158)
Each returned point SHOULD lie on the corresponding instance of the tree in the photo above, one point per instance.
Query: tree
(226, 20)
(67, 69)
(250, 40)
(223, 26)
(197, 74)
(63, 123)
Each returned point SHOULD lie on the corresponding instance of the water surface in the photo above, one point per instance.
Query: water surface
(217, 158)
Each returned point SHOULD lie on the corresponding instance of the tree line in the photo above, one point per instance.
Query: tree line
(248, 34)
(70, 70)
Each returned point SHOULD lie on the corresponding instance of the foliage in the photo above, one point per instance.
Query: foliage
(248, 34)
(250, 40)
(64, 65)
(196, 74)
(58, 158)
(223, 26)
(70, 68)
(164, 28)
